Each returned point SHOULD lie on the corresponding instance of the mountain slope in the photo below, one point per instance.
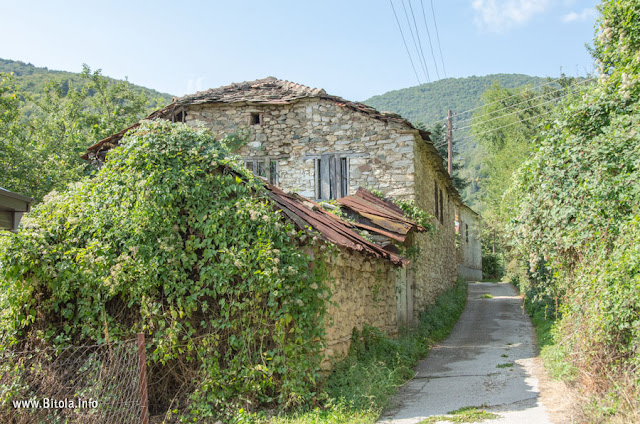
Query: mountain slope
(429, 103)
(32, 79)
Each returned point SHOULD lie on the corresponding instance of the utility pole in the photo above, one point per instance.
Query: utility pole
(450, 144)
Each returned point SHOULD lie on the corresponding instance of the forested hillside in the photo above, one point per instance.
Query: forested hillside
(48, 118)
(429, 103)
(32, 80)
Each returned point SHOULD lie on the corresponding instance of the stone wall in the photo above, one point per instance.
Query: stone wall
(436, 268)
(363, 290)
(387, 156)
(470, 249)
(379, 153)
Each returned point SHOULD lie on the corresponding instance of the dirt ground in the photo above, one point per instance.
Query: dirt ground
(489, 361)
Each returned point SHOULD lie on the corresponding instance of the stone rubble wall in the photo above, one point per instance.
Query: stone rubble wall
(386, 156)
(298, 133)
(436, 268)
(363, 290)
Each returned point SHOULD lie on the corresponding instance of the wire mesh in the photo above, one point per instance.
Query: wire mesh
(80, 384)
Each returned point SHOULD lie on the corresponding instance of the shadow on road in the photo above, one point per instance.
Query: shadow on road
(487, 361)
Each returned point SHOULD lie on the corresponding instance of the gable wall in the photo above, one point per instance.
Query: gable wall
(380, 153)
(470, 249)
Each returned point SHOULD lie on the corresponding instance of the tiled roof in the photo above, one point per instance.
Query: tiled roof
(268, 90)
(264, 90)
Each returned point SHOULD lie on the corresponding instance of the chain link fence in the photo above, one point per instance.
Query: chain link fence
(82, 384)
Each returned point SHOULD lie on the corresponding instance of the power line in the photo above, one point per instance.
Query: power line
(442, 120)
(573, 87)
(498, 101)
(405, 42)
(424, 16)
(424, 60)
(572, 90)
(406, 14)
(505, 126)
(433, 13)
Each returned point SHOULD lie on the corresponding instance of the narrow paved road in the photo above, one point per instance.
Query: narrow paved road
(486, 361)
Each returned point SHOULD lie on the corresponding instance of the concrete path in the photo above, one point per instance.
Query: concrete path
(488, 361)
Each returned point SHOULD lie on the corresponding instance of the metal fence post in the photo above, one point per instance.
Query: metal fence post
(142, 366)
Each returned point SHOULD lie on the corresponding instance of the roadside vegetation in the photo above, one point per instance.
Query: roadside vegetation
(362, 384)
(141, 247)
(565, 213)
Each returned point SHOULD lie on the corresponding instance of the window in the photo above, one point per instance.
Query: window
(466, 232)
(255, 118)
(332, 177)
(266, 168)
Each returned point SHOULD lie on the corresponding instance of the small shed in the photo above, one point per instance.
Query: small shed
(12, 207)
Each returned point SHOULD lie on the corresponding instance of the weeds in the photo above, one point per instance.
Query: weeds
(468, 414)
(505, 365)
(362, 384)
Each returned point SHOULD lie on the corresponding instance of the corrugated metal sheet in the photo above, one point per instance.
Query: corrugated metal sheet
(306, 213)
(379, 215)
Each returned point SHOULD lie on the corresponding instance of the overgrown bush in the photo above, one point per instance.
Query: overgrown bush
(174, 239)
(492, 265)
(575, 208)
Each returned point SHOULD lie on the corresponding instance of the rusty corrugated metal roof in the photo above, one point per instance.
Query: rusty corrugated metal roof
(305, 213)
(379, 215)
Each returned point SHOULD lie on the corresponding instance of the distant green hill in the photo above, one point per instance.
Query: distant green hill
(429, 103)
(32, 79)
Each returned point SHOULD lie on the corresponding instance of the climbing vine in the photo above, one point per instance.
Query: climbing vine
(173, 238)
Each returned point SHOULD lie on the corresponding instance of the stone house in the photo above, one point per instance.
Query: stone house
(469, 247)
(323, 147)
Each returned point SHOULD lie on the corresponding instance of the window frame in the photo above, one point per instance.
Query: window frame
(332, 176)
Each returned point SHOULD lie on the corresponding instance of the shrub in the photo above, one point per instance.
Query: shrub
(175, 239)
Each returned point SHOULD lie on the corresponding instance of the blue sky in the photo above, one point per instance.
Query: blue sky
(351, 48)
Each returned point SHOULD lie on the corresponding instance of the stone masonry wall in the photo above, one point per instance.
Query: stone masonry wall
(296, 134)
(363, 290)
(436, 268)
(387, 156)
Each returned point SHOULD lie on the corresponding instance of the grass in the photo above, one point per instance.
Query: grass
(486, 296)
(362, 384)
(468, 414)
(505, 365)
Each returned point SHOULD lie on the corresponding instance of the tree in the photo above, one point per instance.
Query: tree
(574, 207)
(439, 139)
(42, 153)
